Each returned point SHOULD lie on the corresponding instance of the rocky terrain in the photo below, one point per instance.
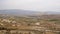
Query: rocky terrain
(40, 23)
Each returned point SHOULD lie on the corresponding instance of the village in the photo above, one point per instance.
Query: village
(22, 25)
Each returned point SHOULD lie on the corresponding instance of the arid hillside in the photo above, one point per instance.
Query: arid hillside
(40, 23)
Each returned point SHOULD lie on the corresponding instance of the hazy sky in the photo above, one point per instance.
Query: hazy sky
(36, 5)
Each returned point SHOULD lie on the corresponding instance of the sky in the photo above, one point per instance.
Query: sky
(35, 5)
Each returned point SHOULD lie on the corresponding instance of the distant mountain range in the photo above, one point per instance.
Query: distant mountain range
(19, 12)
(52, 12)
(25, 12)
